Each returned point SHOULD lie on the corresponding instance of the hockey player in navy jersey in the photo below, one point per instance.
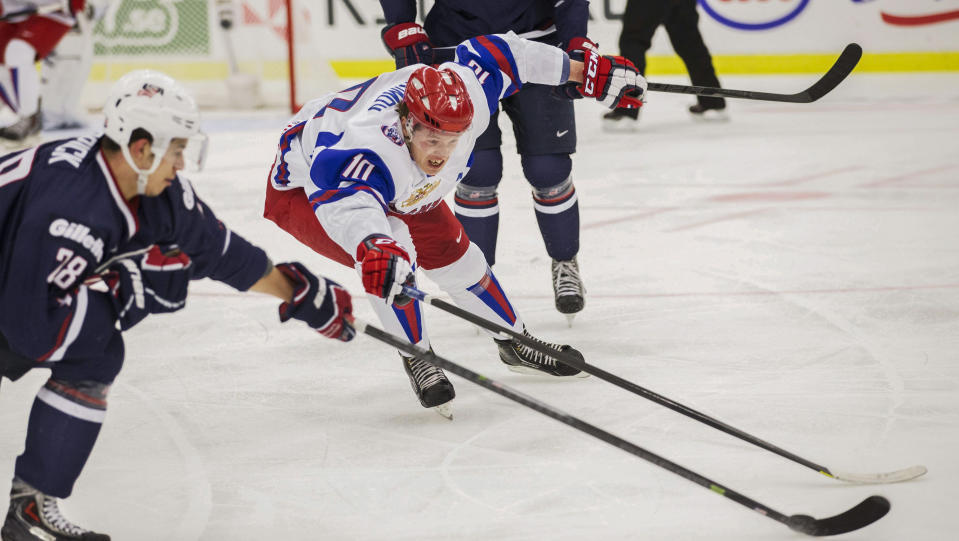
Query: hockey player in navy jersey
(360, 176)
(544, 128)
(97, 233)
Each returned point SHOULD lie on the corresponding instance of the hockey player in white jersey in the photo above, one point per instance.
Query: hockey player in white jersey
(360, 177)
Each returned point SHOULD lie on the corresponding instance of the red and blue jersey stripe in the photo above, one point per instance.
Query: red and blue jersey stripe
(491, 293)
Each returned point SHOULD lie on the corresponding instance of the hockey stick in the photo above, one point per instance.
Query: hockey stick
(843, 66)
(42, 10)
(866, 478)
(840, 70)
(865, 513)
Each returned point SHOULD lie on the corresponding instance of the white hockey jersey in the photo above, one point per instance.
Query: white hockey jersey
(346, 150)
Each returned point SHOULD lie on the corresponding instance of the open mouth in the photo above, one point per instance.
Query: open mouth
(436, 163)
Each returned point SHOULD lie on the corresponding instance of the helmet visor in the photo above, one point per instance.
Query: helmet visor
(188, 153)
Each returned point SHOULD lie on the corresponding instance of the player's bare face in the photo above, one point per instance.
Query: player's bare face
(431, 148)
(171, 162)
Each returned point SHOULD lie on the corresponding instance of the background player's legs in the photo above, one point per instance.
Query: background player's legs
(641, 18)
(557, 213)
(545, 130)
(29, 41)
(555, 202)
(682, 25)
(476, 202)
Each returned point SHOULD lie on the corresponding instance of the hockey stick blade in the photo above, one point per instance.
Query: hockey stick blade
(868, 511)
(897, 476)
(843, 66)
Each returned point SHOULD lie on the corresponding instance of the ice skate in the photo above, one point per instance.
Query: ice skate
(568, 288)
(701, 113)
(621, 121)
(430, 385)
(526, 360)
(35, 516)
(22, 131)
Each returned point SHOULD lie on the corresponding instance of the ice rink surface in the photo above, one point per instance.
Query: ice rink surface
(794, 273)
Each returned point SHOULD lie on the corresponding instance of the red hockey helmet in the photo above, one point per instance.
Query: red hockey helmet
(438, 98)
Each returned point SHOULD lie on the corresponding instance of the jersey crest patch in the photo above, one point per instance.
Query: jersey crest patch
(420, 193)
(392, 133)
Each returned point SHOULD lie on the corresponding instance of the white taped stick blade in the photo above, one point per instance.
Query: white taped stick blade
(897, 476)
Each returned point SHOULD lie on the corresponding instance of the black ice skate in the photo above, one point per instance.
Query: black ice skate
(35, 516)
(568, 288)
(621, 120)
(430, 385)
(526, 360)
(704, 113)
(22, 129)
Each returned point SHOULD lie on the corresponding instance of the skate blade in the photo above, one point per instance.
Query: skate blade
(446, 410)
(527, 371)
(620, 126)
(569, 320)
(710, 116)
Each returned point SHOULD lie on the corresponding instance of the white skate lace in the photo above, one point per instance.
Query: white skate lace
(531, 355)
(52, 516)
(424, 373)
(566, 280)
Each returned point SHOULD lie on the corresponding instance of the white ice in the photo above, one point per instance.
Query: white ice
(794, 273)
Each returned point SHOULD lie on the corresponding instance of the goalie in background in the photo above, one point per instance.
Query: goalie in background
(65, 70)
(25, 39)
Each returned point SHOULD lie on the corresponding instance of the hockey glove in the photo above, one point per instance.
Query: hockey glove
(408, 43)
(578, 46)
(385, 267)
(322, 303)
(613, 80)
(154, 284)
(72, 7)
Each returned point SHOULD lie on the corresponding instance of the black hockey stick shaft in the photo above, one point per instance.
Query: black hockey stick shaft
(843, 66)
(863, 514)
(620, 382)
(41, 10)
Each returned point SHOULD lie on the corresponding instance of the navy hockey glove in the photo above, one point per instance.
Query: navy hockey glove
(613, 80)
(154, 284)
(385, 267)
(322, 303)
(408, 43)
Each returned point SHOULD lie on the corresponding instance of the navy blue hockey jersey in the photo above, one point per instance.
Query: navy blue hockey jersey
(451, 21)
(63, 219)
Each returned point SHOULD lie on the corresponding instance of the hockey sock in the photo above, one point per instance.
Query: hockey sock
(555, 202)
(24, 91)
(476, 204)
(472, 285)
(64, 424)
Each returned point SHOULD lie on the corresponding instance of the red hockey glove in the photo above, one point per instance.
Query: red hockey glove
(322, 303)
(578, 46)
(386, 267)
(613, 80)
(408, 43)
(72, 7)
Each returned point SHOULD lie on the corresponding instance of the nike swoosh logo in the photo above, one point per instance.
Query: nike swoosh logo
(561, 133)
(458, 237)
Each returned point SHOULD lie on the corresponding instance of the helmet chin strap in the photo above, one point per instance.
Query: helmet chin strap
(143, 175)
